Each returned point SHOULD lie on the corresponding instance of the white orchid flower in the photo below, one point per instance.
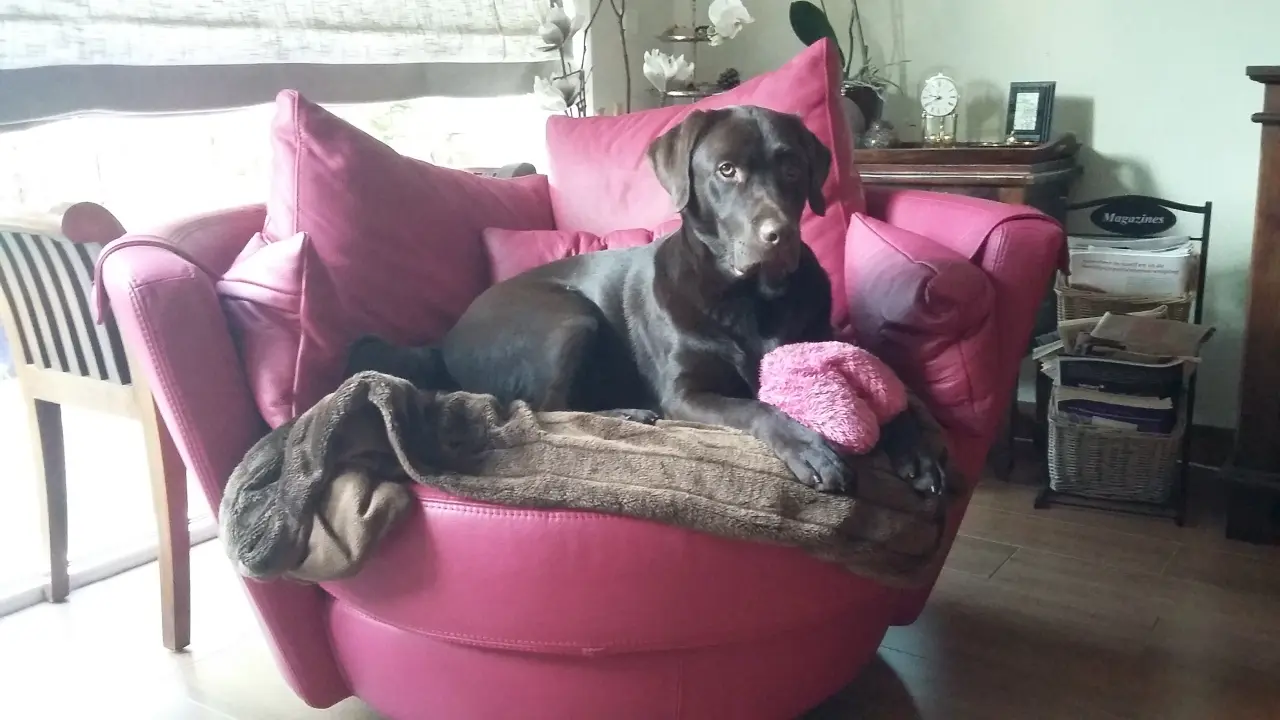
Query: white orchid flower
(727, 18)
(683, 74)
(556, 94)
(664, 71)
(557, 27)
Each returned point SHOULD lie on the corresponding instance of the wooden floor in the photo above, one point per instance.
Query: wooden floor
(1039, 615)
(1067, 613)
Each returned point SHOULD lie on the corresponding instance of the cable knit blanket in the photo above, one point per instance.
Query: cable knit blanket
(312, 499)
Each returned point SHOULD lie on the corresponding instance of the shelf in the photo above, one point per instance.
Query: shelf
(692, 93)
(685, 35)
(1066, 146)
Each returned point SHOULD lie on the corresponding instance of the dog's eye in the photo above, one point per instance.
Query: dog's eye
(790, 172)
(727, 170)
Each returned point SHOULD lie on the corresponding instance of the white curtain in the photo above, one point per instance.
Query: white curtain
(60, 57)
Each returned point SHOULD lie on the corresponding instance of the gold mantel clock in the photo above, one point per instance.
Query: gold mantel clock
(939, 99)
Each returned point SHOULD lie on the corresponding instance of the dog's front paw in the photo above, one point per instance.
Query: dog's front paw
(913, 460)
(809, 457)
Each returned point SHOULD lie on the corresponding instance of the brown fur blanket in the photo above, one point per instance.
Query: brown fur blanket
(311, 500)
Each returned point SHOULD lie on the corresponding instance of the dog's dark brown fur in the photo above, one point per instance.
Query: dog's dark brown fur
(676, 329)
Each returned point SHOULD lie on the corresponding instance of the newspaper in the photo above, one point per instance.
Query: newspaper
(1160, 267)
(1066, 338)
(1151, 336)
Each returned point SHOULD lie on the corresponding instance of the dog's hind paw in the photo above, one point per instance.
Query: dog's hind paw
(914, 460)
(645, 417)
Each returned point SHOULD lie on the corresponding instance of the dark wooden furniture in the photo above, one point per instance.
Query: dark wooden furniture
(1254, 469)
(1038, 175)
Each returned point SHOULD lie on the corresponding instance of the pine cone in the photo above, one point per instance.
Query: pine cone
(729, 79)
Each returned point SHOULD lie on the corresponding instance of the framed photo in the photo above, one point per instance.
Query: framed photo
(1030, 112)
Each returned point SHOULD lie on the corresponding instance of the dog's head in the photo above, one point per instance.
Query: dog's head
(741, 177)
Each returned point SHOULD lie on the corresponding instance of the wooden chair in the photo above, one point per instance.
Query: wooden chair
(63, 357)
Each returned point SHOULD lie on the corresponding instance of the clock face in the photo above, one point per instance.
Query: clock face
(939, 96)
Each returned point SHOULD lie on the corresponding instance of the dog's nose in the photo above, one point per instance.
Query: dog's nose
(771, 231)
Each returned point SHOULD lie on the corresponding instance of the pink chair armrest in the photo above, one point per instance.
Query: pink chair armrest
(1019, 249)
(1017, 246)
(173, 327)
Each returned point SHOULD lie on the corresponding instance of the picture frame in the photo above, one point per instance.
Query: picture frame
(1030, 116)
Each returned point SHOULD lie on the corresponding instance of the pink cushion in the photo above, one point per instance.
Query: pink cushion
(392, 247)
(512, 252)
(601, 179)
(839, 390)
(912, 302)
(261, 295)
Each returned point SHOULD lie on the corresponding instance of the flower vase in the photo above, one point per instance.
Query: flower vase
(866, 98)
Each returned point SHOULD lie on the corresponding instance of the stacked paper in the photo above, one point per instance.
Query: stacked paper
(1159, 267)
(1126, 371)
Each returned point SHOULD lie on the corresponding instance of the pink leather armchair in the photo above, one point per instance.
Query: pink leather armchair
(474, 611)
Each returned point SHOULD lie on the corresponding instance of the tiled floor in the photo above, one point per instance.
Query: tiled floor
(109, 498)
(99, 655)
(1039, 615)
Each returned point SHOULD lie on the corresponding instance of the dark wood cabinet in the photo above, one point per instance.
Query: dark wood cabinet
(1253, 472)
(1258, 428)
(1040, 176)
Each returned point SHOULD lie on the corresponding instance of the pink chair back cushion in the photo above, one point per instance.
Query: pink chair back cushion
(392, 247)
(601, 179)
(913, 302)
(512, 252)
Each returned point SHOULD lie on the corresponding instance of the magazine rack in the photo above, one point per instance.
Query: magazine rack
(1132, 216)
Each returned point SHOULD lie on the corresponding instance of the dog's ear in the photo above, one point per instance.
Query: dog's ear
(671, 155)
(819, 159)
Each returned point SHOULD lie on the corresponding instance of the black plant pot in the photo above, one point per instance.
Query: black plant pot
(867, 100)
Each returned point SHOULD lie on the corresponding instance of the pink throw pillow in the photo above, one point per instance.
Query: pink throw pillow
(839, 390)
(601, 179)
(512, 252)
(261, 294)
(919, 306)
(392, 247)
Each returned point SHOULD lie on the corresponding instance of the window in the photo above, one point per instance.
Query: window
(155, 168)
(151, 169)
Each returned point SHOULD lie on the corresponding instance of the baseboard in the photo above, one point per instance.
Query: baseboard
(1210, 445)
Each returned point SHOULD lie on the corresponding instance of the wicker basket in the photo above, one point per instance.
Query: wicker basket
(1074, 303)
(1111, 463)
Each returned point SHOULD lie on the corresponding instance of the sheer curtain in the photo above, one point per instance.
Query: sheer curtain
(161, 108)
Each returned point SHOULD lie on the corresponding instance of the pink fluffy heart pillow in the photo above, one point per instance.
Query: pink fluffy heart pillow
(840, 390)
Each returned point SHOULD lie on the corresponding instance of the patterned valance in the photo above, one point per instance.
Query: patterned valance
(60, 57)
(37, 33)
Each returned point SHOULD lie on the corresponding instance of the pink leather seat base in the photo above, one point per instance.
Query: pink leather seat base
(585, 615)
(405, 675)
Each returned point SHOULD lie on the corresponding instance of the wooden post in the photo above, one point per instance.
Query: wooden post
(1258, 422)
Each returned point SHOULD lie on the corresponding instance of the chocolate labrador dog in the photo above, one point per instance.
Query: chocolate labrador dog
(675, 329)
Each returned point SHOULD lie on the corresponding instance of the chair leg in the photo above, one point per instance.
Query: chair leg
(169, 495)
(45, 419)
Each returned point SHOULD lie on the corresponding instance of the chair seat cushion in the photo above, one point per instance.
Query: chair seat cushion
(601, 179)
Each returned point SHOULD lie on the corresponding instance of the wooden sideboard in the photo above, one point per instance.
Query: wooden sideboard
(1040, 176)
